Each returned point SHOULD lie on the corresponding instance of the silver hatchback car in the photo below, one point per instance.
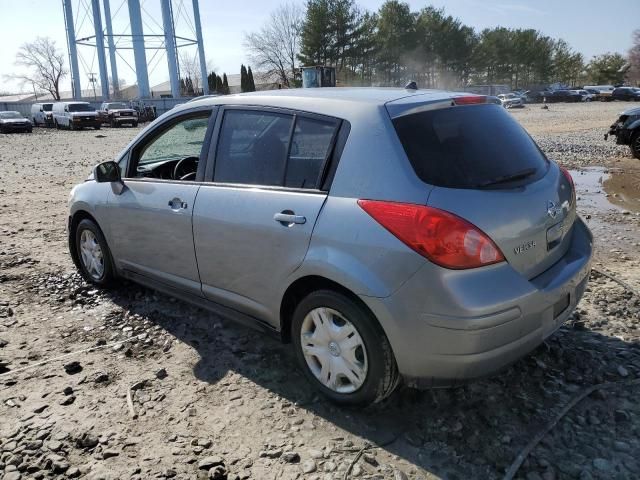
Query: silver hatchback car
(385, 233)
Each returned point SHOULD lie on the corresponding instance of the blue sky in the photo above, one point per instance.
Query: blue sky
(590, 27)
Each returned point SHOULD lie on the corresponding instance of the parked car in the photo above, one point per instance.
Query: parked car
(42, 114)
(627, 130)
(626, 93)
(604, 91)
(511, 100)
(585, 95)
(385, 233)
(75, 115)
(555, 96)
(14, 122)
(117, 113)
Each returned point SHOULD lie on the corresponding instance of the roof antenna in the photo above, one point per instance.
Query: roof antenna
(411, 86)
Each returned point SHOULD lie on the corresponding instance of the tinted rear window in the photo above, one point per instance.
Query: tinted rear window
(468, 146)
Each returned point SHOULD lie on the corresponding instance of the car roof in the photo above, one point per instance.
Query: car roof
(335, 101)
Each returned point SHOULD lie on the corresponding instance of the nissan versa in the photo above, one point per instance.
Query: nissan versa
(385, 233)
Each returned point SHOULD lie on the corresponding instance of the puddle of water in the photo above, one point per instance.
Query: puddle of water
(607, 189)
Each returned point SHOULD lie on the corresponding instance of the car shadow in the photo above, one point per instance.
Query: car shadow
(472, 431)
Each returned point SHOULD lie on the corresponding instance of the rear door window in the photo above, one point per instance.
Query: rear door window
(310, 148)
(273, 149)
(469, 147)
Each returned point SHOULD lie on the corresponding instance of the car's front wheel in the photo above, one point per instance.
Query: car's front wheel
(94, 258)
(342, 349)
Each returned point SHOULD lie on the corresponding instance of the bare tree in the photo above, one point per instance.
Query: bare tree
(45, 64)
(275, 47)
(190, 68)
(633, 74)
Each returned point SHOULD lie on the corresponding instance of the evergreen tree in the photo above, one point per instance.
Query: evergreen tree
(211, 81)
(225, 84)
(244, 84)
(251, 85)
(219, 88)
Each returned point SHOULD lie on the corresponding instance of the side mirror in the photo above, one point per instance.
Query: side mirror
(107, 172)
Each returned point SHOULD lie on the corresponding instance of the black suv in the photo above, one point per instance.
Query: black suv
(627, 130)
(626, 93)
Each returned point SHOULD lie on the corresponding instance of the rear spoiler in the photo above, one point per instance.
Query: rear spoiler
(413, 104)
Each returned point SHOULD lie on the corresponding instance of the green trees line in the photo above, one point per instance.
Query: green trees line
(396, 44)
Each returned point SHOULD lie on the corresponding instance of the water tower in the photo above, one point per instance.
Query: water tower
(139, 39)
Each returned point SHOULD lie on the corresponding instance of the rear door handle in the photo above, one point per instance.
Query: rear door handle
(177, 204)
(289, 218)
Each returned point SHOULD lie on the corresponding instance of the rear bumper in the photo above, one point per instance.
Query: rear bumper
(468, 324)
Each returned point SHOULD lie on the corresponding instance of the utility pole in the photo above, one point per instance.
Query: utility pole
(93, 80)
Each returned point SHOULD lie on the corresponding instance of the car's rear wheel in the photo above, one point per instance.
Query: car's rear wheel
(342, 349)
(94, 257)
(635, 145)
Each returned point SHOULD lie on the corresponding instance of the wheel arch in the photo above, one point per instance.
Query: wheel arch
(302, 287)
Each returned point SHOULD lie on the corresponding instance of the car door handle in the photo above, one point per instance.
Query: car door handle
(287, 218)
(177, 204)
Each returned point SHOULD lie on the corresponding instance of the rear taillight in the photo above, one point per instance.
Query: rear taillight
(470, 99)
(569, 178)
(442, 237)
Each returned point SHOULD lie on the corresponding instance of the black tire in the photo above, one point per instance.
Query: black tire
(97, 128)
(56, 125)
(113, 124)
(135, 124)
(382, 373)
(108, 273)
(635, 144)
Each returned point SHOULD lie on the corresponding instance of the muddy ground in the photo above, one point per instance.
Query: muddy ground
(215, 400)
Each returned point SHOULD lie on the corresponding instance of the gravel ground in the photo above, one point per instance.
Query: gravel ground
(144, 386)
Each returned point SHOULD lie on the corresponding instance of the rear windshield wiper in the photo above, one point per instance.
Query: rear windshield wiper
(509, 178)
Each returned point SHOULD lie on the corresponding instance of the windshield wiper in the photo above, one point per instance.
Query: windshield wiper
(509, 178)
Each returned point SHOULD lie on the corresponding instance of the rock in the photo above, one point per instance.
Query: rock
(40, 408)
(211, 461)
(12, 476)
(204, 442)
(602, 464)
(329, 467)
(3, 343)
(101, 377)
(623, 372)
(67, 390)
(309, 466)
(73, 472)
(218, 473)
(273, 453)
(87, 441)
(399, 475)
(53, 445)
(59, 465)
(67, 400)
(110, 453)
(161, 374)
(72, 367)
(290, 457)
(370, 459)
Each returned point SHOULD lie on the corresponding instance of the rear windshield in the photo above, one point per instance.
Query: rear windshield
(469, 147)
(47, 107)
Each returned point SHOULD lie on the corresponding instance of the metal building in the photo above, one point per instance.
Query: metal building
(145, 38)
